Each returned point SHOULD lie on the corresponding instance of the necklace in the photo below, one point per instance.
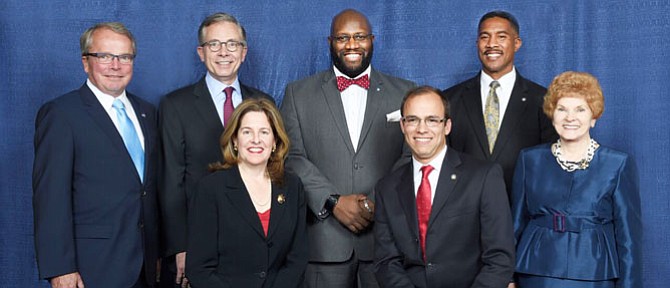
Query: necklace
(570, 166)
(259, 204)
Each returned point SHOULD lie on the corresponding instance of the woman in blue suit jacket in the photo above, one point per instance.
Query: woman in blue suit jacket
(576, 204)
(247, 220)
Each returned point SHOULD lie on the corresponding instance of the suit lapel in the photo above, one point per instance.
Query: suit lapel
(239, 197)
(101, 118)
(446, 183)
(473, 105)
(374, 101)
(204, 105)
(334, 102)
(513, 114)
(278, 208)
(407, 199)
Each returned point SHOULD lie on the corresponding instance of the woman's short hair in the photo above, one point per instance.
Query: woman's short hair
(570, 83)
(230, 157)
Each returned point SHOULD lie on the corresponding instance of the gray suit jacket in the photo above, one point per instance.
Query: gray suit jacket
(323, 156)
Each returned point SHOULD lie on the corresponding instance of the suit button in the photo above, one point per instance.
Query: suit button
(144, 193)
(356, 166)
(416, 240)
(431, 266)
(261, 275)
(270, 244)
(141, 225)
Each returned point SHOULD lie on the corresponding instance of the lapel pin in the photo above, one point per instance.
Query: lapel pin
(281, 199)
(523, 99)
(453, 177)
(143, 115)
(379, 89)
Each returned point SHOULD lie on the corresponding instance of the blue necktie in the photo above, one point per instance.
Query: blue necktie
(130, 137)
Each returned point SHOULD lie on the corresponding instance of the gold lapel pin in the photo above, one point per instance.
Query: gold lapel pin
(453, 177)
(281, 199)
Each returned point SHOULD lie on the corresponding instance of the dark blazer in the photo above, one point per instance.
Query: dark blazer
(582, 225)
(190, 129)
(524, 124)
(469, 241)
(93, 215)
(227, 246)
(323, 156)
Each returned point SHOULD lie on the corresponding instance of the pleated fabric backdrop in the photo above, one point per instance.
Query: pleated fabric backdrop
(623, 43)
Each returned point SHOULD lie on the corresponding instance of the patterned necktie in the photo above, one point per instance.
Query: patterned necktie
(423, 206)
(130, 137)
(492, 115)
(344, 82)
(228, 104)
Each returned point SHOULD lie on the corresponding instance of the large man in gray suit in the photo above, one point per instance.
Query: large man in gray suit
(342, 142)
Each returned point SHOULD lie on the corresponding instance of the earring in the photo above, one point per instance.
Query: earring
(235, 147)
(274, 148)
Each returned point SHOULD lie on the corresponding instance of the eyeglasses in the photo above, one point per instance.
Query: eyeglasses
(106, 58)
(344, 38)
(231, 45)
(414, 121)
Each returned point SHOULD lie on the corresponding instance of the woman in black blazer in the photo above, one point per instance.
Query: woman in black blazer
(247, 219)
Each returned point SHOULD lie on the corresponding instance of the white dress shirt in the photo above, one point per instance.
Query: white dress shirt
(354, 101)
(504, 92)
(107, 100)
(434, 175)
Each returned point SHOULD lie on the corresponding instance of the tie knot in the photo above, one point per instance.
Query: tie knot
(118, 104)
(426, 170)
(229, 91)
(344, 82)
(494, 84)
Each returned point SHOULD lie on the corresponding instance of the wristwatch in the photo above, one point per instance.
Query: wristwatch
(328, 206)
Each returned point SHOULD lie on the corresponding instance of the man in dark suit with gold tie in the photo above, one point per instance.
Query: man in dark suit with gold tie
(498, 112)
(191, 121)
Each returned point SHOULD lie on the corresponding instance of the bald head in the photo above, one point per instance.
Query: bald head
(346, 16)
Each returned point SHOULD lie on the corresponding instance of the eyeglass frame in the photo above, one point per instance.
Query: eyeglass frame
(120, 57)
(224, 43)
(426, 120)
(345, 38)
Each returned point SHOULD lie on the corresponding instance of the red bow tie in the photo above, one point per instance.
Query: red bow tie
(344, 82)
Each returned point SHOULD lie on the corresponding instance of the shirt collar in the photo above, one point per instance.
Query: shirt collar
(366, 72)
(105, 99)
(216, 87)
(506, 81)
(436, 162)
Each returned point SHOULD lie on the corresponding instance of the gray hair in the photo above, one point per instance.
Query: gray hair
(86, 39)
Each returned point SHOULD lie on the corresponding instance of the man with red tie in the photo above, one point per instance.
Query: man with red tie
(443, 219)
(342, 142)
(191, 120)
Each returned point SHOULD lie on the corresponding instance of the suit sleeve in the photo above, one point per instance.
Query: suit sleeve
(202, 260)
(520, 213)
(52, 193)
(172, 192)
(497, 237)
(292, 273)
(389, 269)
(628, 226)
(317, 186)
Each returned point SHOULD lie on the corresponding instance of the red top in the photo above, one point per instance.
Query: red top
(265, 220)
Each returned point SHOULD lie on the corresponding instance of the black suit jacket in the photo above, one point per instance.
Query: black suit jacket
(190, 129)
(469, 240)
(227, 246)
(93, 215)
(524, 123)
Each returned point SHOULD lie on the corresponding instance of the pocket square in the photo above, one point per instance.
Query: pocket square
(393, 116)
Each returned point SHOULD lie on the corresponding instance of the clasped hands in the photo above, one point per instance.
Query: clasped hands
(354, 211)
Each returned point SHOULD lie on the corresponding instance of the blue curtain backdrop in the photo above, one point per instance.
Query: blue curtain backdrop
(624, 43)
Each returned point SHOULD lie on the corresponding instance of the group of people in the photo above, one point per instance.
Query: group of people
(358, 179)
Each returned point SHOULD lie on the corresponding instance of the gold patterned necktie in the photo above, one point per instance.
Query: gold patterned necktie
(492, 115)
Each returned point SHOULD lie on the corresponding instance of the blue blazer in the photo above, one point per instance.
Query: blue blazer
(92, 213)
(582, 225)
(227, 246)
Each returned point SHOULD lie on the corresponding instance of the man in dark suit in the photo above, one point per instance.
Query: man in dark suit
(94, 184)
(191, 121)
(498, 112)
(442, 220)
(341, 144)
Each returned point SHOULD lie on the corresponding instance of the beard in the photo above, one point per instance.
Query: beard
(351, 72)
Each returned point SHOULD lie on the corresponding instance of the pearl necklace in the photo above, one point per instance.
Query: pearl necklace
(570, 166)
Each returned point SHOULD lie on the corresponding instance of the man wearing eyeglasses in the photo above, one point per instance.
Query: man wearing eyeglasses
(191, 120)
(443, 219)
(94, 175)
(498, 112)
(341, 144)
